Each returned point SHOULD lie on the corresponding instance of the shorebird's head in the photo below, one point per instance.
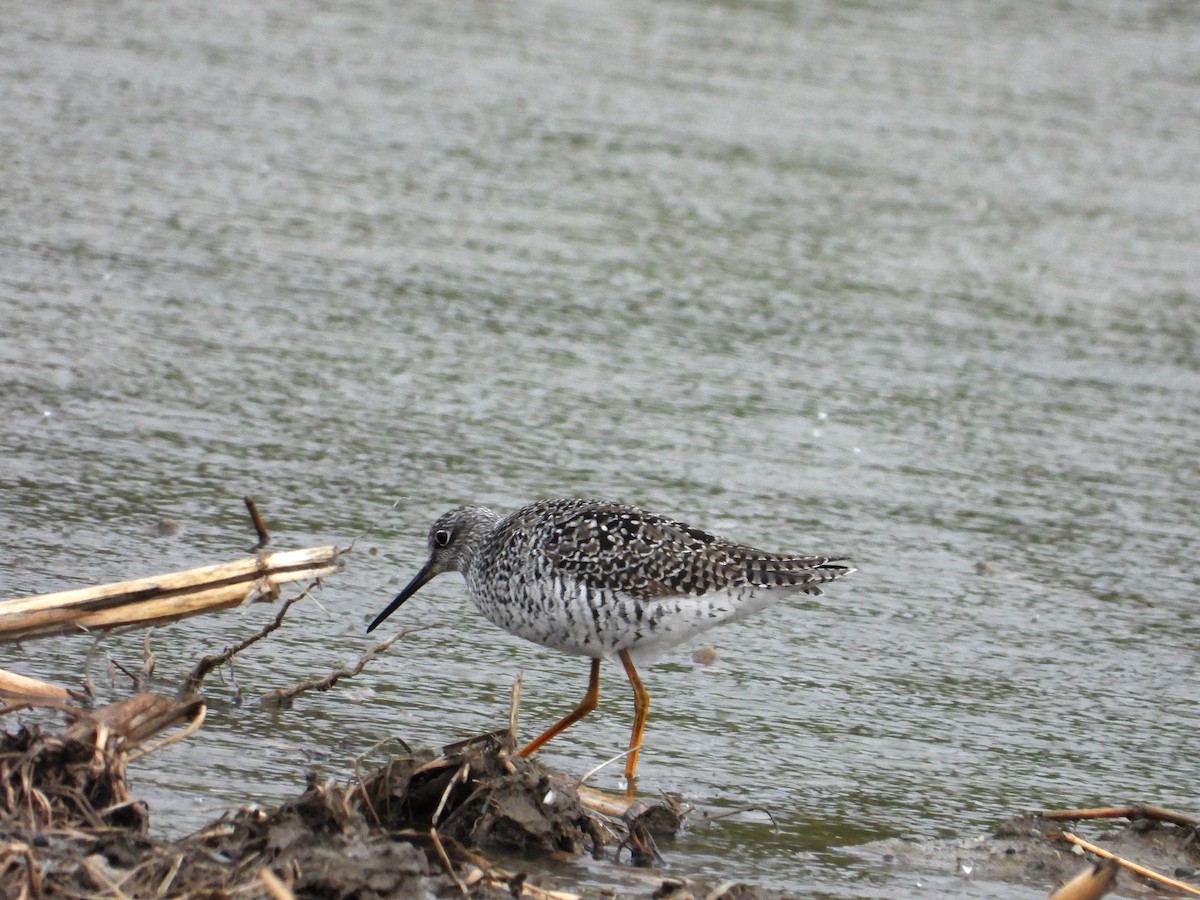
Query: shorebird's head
(453, 541)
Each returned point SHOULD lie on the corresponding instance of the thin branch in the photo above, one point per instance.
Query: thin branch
(31, 873)
(132, 676)
(202, 669)
(463, 808)
(375, 524)
(101, 879)
(283, 696)
(1136, 811)
(167, 879)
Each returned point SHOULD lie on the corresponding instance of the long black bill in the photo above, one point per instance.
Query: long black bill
(427, 572)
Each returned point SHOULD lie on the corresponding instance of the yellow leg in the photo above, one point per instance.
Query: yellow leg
(641, 706)
(586, 705)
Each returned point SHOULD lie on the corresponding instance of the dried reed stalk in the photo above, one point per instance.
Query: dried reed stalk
(15, 686)
(163, 598)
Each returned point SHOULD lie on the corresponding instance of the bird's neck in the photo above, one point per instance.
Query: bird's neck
(475, 531)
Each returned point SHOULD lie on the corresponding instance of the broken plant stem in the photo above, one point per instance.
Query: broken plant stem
(514, 708)
(148, 659)
(459, 775)
(192, 727)
(1091, 884)
(441, 852)
(264, 537)
(273, 885)
(169, 878)
(607, 762)
(14, 685)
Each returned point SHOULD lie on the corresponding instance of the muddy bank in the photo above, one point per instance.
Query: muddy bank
(474, 820)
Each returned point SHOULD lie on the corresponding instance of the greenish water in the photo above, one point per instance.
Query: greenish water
(918, 283)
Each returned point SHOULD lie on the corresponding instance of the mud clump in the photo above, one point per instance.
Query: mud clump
(482, 799)
(317, 844)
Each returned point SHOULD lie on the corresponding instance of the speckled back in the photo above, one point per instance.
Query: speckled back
(594, 577)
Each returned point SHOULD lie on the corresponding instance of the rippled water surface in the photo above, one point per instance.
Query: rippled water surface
(916, 282)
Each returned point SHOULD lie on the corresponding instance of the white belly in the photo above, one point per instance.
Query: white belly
(574, 618)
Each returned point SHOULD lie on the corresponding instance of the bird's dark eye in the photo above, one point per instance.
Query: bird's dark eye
(441, 537)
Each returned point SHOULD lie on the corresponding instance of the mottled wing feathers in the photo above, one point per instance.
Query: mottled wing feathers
(612, 546)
